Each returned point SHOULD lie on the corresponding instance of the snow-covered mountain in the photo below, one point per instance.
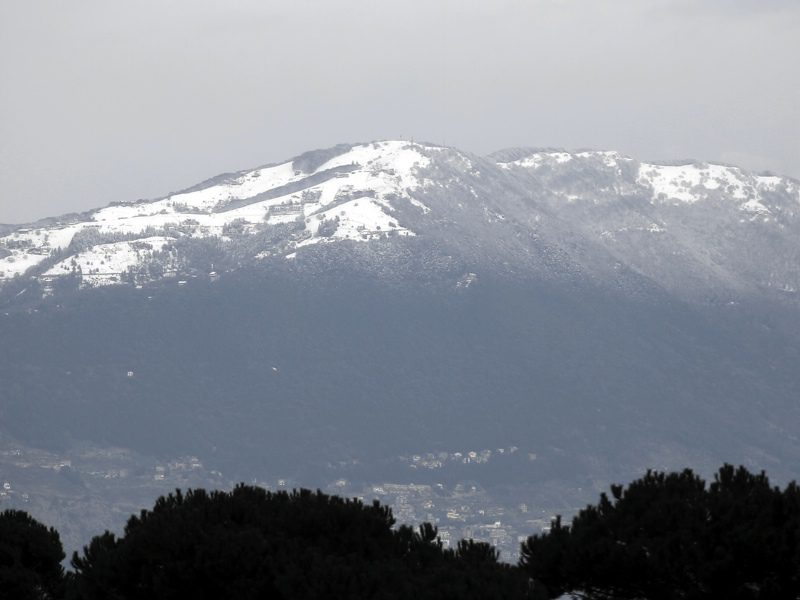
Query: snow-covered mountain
(688, 227)
(386, 316)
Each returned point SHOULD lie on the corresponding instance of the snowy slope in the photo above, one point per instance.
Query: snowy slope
(354, 203)
(699, 230)
(668, 184)
(677, 224)
(104, 264)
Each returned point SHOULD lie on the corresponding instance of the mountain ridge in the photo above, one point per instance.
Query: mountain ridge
(500, 155)
(523, 206)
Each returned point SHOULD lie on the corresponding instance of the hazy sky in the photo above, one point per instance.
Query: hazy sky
(104, 100)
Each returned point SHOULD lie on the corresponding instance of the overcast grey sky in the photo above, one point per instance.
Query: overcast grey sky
(104, 100)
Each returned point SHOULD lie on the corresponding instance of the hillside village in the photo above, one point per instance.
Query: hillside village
(38, 481)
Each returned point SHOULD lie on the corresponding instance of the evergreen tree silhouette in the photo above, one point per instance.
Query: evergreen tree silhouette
(30, 558)
(669, 536)
(250, 543)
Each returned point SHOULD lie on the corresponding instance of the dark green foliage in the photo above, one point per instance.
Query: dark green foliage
(250, 543)
(664, 536)
(669, 536)
(477, 553)
(30, 558)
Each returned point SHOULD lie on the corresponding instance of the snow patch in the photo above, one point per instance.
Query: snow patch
(609, 158)
(539, 159)
(29, 247)
(693, 183)
(769, 182)
(360, 219)
(245, 186)
(105, 264)
(423, 207)
(754, 206)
